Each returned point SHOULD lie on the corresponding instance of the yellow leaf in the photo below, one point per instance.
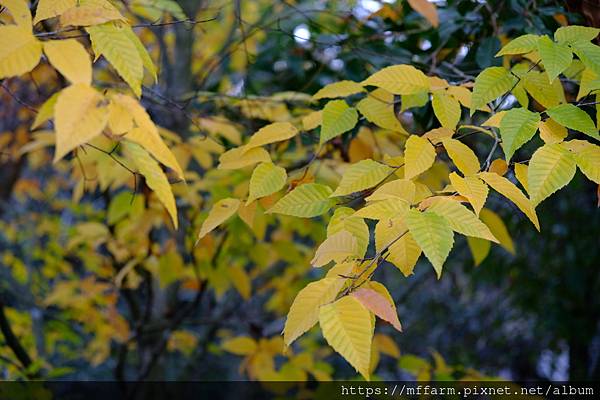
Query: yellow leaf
(494, 120)
(362, 175)
(111, 41)
(437, 84)
(462, 156)
(551, 168)
(551, 131)
(472, 188)
(45, 112)
(20, 51)
(399, 79)
(266, 179)
(437, 135)
(305, 201)
(241, 346)
(498, 229)
(404, 252)
(378, 108)
(220, 212)
(78, 118)
(446, 109)
(433, 234)
(389, 208)
(52, 8)
(247, 212)
(463, 95)
(240, 280)
(238, 158)
(155, 177)
(120, 120)
(499, 166)
(90, 12)
(511, 192)
(312, 120)
(339, 89)
(153, 143)
(480, 248)
(521, 175)
(304, 312)
(71, 59)
(337, 247)
(400, 188)
(19, 9)
(217, 125)
(275, 132)
(419, 156)
(461, 220)
(343, 219)
(386, 345)
(588, 161)
(426, 9)
(348, 328)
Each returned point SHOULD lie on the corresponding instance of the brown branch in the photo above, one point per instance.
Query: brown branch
(13, 342)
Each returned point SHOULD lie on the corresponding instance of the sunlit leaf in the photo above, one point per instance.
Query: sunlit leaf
(551, 168)
(433, 234)
(348, 328)
(306, 201)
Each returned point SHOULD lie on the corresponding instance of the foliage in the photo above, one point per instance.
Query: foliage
(355, 177)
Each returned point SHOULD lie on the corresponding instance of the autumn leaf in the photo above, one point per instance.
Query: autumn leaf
(79, 116)
(220, 212)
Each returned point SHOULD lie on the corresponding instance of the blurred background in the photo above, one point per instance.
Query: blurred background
(79, 308)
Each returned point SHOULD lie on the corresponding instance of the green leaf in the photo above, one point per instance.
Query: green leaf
(517, 127)
(590, 81)
(588, 53)
(460, 218)
(338, 118)
(539, 87)
(112, 41)
(574, 118)
(574, 33)
(521, 45)
(555, 57)
(306, 201)
(362, 175)
(551, 167)
(433, 234)
(490, 84)
(266, 179)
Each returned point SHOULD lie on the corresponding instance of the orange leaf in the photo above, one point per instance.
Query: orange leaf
(378, 305)
(427, 10)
